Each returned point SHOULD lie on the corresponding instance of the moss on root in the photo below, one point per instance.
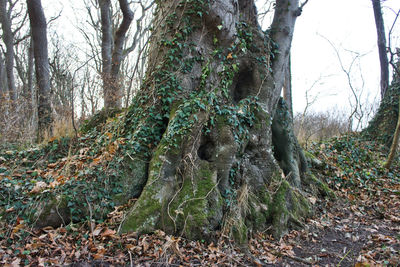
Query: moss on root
(196, 203)
(318, 187)
(145, 214)
(287, 208)
(258, 213)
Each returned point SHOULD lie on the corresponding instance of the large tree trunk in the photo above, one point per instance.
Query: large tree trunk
(383, 59)
(39, 37)
(8, 38)
(201, 125)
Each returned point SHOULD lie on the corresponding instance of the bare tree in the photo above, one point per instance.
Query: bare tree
(383, 59)
(39, 36)
(8, 38)
(112, 51)
(111, 98)
(117, 40)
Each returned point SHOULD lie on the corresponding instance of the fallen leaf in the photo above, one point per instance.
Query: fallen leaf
(108, 233)
(39, 187)
(313, 200)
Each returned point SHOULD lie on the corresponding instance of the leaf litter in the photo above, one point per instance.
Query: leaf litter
(360, 228)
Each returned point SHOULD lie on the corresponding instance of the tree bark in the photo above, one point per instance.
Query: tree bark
(383, 59)
(201, 124)
(395, 143)
(110, 98)
(383, 125)
(117, 55)
(287, 88)
(112, 53)
(8, 38)
(39, 37)
(3, 86)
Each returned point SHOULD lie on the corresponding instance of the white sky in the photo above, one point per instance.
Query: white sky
(349, 25)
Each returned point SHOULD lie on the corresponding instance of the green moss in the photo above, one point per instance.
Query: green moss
(287, 208)
(132, 180)
(192, 207)
(239, 231)
(174, 108)
(309, 155)
(321, 187)
(145, 214)
(258, 210)
(262, 119)
(220, 122)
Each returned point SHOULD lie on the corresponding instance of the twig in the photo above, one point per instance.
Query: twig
(302, 5)
(130, 258)
(343, 258)
(298, 259)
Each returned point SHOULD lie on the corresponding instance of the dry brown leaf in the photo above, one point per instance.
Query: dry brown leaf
(39, 187)
(97, 231)
(108, 233)
(362, 264)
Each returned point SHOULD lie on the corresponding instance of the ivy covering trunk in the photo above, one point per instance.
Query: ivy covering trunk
(203, 122)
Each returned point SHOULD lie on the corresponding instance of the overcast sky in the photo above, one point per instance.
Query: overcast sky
(350, 26)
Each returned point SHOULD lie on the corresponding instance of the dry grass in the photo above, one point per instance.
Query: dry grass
(18, 124)
(318, 126)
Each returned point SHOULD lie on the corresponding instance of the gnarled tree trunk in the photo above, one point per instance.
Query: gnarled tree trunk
(201, 125)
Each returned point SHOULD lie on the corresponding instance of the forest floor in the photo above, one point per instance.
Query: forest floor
(361, 227)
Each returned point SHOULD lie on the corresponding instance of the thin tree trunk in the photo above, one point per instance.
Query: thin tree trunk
(106, 53)
(383, 59)
(8, 39)
(117, 55)
(29, 89)
(3, 82)
(39, 37)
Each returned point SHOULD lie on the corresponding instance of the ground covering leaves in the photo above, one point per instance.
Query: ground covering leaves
(361, 227)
